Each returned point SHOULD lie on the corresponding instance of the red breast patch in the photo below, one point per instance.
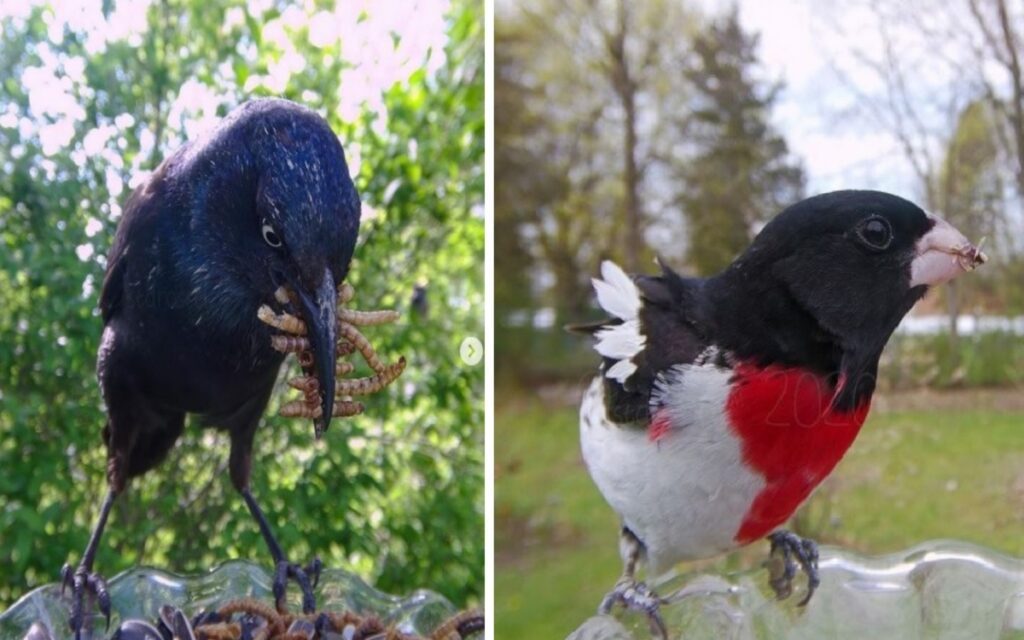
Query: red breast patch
(659, 426)
(791, 435)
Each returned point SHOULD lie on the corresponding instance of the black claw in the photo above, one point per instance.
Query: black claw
(286, 570)
(280, 579)
(82, 581)
(308, 601)
(67, 575)
(314, 568)
(98, 585)
(77, 593)
(322, 625)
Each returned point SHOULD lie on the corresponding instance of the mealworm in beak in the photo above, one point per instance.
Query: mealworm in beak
(304, 383)
(344, 409)
(289, 344)
(353, 335)
(300, 409)
(281, 295)
(345, 293)
(373, 384)
(285, 322)
(367, 318)
(350, 340)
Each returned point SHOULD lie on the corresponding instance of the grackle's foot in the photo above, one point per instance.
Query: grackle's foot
(81, 580)
(789, 549)
(300, 575)
(638, 597)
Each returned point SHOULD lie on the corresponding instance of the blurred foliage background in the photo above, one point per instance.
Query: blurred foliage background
(626, 130)
(93, 96)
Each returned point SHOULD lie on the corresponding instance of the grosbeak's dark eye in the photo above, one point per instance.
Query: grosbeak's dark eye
(270, 236)
(875, 232)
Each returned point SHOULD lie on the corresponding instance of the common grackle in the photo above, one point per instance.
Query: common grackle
(264, 200)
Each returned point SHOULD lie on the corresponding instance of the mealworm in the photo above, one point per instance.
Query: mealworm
(345, 293)
(299, 409)
(340, 620)
(347, 408)
(289, 344)
(372, 384)
(460, 625)
(220, 631)
(367, 318)
(297, 344)
(285, 322)
(309, 386)
(251, 606)
(304, 383)
(352, 334)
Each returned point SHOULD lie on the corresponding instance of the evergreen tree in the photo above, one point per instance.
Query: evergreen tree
(742, 172)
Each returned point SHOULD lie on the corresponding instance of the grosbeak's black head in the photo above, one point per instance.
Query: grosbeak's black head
(853, 263)
(280, 209)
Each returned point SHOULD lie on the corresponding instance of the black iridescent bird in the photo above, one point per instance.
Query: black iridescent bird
(264, 200)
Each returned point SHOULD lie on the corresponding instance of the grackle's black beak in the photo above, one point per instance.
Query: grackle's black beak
(320, 313)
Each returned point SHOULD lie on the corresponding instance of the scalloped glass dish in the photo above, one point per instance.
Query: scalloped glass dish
(939, 590)
(139, 593)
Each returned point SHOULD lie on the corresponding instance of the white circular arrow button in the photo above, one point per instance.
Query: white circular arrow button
(471, 351)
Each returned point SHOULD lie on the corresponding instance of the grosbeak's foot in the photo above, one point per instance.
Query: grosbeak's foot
(788, 551)
(302, 575)
(638, 597)
(81, 581)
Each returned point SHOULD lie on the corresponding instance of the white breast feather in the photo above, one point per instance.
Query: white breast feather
(684, 495)
(619, 296)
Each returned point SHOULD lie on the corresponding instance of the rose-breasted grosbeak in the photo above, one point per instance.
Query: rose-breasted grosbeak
(723, 402)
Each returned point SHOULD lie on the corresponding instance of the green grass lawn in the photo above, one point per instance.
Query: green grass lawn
(948, 470)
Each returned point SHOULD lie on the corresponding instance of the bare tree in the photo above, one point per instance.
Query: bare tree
(951, 120)
(601, 80)
(1001, 42)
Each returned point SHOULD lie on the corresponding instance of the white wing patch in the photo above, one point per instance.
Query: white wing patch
(617, 295)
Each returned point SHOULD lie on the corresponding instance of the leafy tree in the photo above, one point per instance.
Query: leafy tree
(970, 195)
(742, 172)
(396, 494)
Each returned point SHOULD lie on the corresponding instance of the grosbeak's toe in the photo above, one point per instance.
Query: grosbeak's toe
(788, 551)
(637, 596)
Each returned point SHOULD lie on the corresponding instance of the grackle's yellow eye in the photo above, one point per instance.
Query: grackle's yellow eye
(270, 236)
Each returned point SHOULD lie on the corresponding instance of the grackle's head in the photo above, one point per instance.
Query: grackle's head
(280, 209)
